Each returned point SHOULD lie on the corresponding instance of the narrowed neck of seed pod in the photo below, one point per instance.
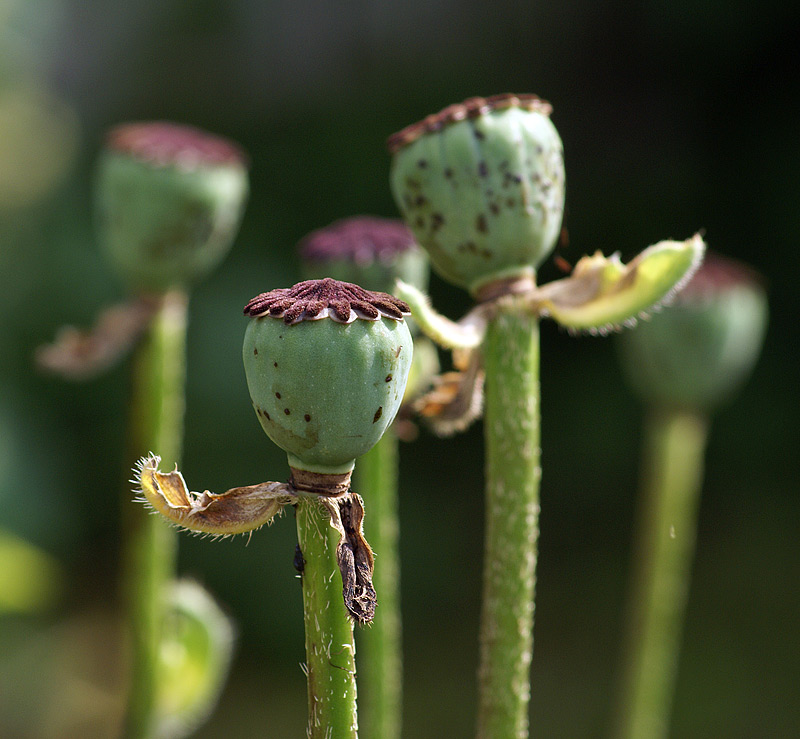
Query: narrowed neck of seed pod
(329, 485)
(516, 284)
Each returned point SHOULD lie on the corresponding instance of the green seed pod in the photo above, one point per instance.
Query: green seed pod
(367, 251)
(326, 364)
(481, 185)
(699, 351)
(169, 201)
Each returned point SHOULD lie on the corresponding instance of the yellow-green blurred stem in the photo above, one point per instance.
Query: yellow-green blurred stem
(511, 428)
(380, 661)
(663, 550)
(156, 424)
(330, 650)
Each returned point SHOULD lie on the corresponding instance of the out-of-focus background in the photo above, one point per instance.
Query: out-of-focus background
(675, 116)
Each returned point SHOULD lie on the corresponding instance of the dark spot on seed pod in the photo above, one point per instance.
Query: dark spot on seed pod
(378, 414)
(486, 253)
(420, 222)
(413, 184)
(388, 378)
(480, 135)
(397, 353)
(539, 149)
(510, 202)
(422, 163)
(286, 411)
(495, 208)
(280, 336)
(448, 173)
(266, 415)
(255, 352)
(278, 396)
(437, 219)
(307, 417)
(274, 364)
(483, 170)
(421, 200)
(480, 224)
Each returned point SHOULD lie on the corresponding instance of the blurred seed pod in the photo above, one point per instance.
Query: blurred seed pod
(698, 352)
(169, 199)
(368, 251)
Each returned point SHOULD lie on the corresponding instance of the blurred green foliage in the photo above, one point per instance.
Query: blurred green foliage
(674, 116)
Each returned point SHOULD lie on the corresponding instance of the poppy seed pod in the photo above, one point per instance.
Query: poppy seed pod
(169, 200)
(699, 351)
(326, 365)
(481, 185)
(366, 250)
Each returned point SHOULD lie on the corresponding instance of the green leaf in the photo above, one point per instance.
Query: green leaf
(602, 294)
(194, 658)
(465, 334)
(30, 579)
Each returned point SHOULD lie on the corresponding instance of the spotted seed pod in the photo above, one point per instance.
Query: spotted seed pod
(481, 184)
(326, 364)
(367, 251)
(698, 352)
(169, 200)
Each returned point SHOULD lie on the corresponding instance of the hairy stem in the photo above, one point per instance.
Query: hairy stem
(150, 544)
(330, 650)
(511, 354)
(379, 646)
(663, 551)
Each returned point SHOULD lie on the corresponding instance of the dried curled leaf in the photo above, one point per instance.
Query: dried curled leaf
(602, 294)
(81, 355)
(235, 511)
(354, 555)
(456, 399)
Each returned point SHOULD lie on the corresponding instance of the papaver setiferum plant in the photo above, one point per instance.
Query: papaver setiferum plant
(481, 184)
(169, 199)
(326, 365)
(375, 252)
(684, 364)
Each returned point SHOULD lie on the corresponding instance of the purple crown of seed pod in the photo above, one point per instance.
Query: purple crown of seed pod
(313, 300)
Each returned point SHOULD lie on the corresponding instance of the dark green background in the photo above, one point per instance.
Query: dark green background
(675, 116)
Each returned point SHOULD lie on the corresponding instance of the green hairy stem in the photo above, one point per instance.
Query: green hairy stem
(511, 354)
(380, 645)
(663, 551)
(330, 650)
(150, 544)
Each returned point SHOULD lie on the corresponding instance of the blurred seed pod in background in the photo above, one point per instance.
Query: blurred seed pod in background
(700, 350)
(169, 201)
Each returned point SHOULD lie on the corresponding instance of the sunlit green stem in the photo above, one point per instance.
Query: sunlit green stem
(150, 544)
(380, 660)
(663, 550)
(330, 650)
(511, 354)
